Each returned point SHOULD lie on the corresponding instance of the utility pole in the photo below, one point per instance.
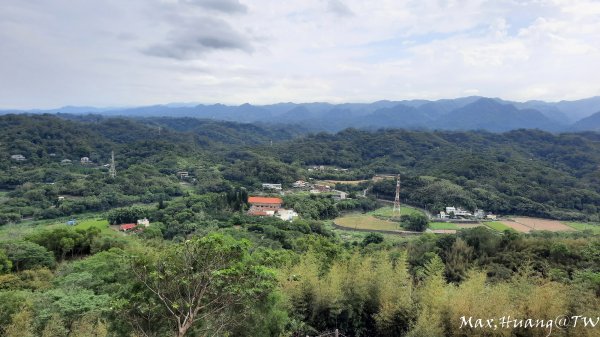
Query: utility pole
(112, 172)
(396, 208)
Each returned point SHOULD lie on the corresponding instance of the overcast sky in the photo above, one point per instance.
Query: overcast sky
(140, 52)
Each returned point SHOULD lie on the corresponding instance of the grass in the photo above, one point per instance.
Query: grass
(443, 225)
(499, 226)
(388, 211)
(581, 226)
(366, 221)
(101, 224)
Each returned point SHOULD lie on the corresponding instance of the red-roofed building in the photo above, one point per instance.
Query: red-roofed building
(127, 226)
(260, 205)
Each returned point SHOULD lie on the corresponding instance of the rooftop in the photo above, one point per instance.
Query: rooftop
(264, 200)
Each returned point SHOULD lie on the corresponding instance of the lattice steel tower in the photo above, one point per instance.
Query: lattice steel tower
(397, 198)
(112, 172)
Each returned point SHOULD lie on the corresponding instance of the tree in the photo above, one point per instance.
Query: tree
(5, 264)
(415, 222)
(202, 282)
(372, 238)
(27, 255)
(21, 325)
(457, 261)
(89, 326)
(55, 327)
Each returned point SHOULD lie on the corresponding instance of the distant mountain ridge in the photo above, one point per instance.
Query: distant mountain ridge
(465, 113)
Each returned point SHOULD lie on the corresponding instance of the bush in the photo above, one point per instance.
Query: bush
(415, 222)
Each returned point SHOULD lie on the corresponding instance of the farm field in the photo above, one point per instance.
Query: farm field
(366, 221)
(582, 226)
(443, 225)
(543, 224)
(387, 211)
(499, 226)
(451, 226)
(515, 226)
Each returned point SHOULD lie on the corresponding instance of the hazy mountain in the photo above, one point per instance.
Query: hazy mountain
(590, 123)
(488, 114)
(441, 107)
(399, 116)
(474, 112)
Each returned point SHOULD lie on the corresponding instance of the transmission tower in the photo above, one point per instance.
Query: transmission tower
(112, 172)
(397, 198)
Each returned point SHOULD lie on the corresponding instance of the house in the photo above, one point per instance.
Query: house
(276, 187)
(17, 157)
(300, 184)
(143, 222)
(322, 188)
(339, 195)
(61, 198)
(286, 214)
(491, 217)
(457, 211)
(265, 203)
(85, 160)
(65, 161)
(127, 227)
(479, 214)
(267, 206)
(183, 174)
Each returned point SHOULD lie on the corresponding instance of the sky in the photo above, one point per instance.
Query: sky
(143, 52)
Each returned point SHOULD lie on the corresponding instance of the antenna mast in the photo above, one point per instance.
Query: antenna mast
(397, 199)
(112, 172)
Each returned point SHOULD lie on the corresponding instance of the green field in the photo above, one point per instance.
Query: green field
(499, 226)
(388, 211)
(366, 221)
(581, 226)
(101, 224)
(443, 225)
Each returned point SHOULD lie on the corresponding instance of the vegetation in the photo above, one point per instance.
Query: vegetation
(205, 267)
(365, 221)
(499, 226)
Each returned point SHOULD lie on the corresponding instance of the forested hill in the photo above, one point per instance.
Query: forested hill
(524, 172)
(521, 172)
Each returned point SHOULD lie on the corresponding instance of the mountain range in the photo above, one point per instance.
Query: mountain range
(466, 113)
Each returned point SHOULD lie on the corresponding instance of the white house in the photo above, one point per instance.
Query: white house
(276, 187)
(143, 222)
(286, 214)
(457, 211)
(300, 184)
(17, 157)
(340, 195)
(85, 160)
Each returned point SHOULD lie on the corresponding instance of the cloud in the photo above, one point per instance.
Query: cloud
(226, 6)
(193, 39)
(137, 52)
(339, 8)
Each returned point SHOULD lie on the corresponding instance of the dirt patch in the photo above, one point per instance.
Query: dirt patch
(543, 224)
(468, 226)
(516, 226)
